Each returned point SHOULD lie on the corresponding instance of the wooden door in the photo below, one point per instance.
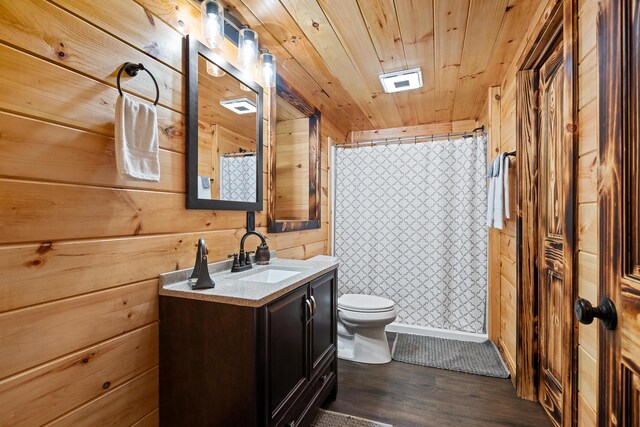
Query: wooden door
(551, 266)
(323, 325)
(619, 205)
(287, 326)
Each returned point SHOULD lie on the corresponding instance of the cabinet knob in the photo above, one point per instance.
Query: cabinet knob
(291, 424)
(606, 312)
(324, 378)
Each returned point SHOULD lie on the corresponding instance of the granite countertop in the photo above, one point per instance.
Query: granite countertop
(229, 289)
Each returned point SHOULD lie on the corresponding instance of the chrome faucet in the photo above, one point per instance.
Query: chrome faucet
(243, 261)
(200, 278)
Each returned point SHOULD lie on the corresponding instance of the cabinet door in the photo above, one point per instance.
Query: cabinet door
(323, 323)
(287, 328)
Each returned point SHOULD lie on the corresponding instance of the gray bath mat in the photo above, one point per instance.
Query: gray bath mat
(480, 358)
(336, 419)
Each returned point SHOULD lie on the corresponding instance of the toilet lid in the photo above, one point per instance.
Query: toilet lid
(365, 303)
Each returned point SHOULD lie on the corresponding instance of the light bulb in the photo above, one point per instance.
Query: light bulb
(212, 14)
(247, 51)
(212, 31)
(268, 69)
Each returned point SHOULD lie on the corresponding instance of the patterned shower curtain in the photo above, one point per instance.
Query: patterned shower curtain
(409, 226)
(238, 178)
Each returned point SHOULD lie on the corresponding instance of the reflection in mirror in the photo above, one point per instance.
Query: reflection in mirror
(295, 163)
(292, 162)
(226, 138)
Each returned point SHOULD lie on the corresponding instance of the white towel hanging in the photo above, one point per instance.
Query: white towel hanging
(491, 194)
(498, 195)
(136, 137)
(506, 165)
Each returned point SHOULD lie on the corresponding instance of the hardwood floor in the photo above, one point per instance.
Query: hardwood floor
(409, 395)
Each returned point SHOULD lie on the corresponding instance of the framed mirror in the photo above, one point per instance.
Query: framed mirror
(224, 134)
(294, 162)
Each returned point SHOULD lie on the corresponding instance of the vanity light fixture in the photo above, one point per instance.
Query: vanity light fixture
(401, 80)
(239, 105)
(212, 14)
(247, 52)
(267, 68)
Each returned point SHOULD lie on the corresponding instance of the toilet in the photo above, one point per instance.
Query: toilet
(361, 322)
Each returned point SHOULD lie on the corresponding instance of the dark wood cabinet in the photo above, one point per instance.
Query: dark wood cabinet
(323, 327)
(287, 327)
(274, 365)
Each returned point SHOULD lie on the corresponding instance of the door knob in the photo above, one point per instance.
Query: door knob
(606, 312)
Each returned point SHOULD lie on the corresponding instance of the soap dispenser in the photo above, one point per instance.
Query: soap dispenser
(263, 255)
(200, 278)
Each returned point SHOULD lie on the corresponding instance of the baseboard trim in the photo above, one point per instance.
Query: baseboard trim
(433, 332)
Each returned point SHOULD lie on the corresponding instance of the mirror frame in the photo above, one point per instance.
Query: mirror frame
(194, 48)
(296, 100)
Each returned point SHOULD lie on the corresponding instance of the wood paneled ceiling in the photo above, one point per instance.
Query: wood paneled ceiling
(332, 51)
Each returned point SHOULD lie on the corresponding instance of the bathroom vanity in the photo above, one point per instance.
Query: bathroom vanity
(259, 349)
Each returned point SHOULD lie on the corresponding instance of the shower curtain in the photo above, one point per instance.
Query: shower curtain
(238, 178)
(409, 226)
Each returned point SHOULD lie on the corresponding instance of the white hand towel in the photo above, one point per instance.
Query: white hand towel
(507, 162)
(136, 137)
(490, 196)
(498, 199)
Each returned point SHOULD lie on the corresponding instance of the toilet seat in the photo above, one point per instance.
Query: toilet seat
(365, 303)
(367, 319)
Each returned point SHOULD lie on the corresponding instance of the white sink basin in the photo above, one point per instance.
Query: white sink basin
(270, 275)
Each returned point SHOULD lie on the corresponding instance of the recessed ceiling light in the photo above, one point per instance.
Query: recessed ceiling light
(401, 80)
(239, 105)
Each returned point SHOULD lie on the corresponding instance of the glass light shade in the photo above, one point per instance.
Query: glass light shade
(212, 24)
(212, 14)
(248, 51)
(268, 69)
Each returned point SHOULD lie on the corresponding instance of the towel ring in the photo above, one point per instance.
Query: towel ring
(132, 70)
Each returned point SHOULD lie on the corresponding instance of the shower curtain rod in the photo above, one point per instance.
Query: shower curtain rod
(415, 139)
(240, 154)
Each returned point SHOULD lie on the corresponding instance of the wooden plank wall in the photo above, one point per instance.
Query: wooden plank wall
(502, 284)
(81, 247)
(413, 131)
(587, 226)
(494, 236)
(507, 340)
(587, 190)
